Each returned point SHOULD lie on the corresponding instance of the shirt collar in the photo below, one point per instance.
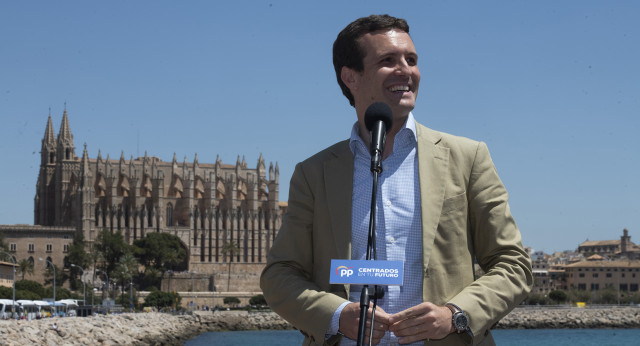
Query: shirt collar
(356, 143)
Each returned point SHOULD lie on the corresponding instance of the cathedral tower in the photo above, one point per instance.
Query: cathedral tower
(66, 181)
(45, 187)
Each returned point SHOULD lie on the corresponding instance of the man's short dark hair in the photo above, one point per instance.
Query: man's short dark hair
(346, 48)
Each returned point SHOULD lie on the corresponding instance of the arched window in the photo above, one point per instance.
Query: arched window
(52, 157)
(67, 154)
(169, 214)
(150, 216)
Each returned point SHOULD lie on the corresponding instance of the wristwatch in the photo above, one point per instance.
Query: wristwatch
(459, 320)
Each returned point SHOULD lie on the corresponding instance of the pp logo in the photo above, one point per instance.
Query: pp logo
(343, 271)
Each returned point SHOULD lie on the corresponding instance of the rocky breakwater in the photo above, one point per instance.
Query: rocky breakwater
(123, 329)
(133, 328)
(167, 329)
(558, 318)
(240, 320)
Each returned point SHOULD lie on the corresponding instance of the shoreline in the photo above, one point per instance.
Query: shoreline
(167, 329)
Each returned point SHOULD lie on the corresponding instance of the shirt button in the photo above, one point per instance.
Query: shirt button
(391, 240)
(388, 203)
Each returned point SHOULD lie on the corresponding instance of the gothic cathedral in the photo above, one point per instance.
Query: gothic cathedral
(207, 205)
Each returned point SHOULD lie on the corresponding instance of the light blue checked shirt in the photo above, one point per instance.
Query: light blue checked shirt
(398, 221)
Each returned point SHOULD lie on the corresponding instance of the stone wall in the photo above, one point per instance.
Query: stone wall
(215, 277)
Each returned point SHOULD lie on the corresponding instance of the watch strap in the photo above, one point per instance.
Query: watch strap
(455, 310)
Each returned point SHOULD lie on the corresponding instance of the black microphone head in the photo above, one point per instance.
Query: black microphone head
(378, 111)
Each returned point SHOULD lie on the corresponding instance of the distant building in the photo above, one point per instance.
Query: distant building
(6, 275)
(598, 274)
(207, 205)
(611, 248)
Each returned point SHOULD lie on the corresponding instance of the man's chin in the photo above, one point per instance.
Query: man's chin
(402, 109)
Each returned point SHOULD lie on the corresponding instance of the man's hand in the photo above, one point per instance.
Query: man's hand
(421, 322)
(350, 319)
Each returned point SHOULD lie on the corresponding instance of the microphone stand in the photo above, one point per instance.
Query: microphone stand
(365, 296)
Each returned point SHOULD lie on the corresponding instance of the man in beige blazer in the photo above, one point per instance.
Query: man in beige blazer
(464, 211)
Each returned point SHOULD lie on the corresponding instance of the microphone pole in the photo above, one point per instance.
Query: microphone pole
(378, 119)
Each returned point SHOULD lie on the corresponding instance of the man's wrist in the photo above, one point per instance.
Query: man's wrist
(459, 319)
(334, 326)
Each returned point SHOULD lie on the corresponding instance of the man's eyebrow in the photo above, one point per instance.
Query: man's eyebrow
(391, 53)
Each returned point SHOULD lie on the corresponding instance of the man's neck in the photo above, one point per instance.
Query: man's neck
(365, 135)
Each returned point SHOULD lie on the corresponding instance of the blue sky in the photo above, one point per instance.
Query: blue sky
(553, 88)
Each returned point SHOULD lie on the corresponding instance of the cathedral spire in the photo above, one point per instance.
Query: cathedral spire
(49, 133)
(65, 130)
(85, 161)
(65, 148)
(48, 151)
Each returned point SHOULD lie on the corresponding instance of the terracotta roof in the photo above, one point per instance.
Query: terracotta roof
(605, 264)
(601, 243)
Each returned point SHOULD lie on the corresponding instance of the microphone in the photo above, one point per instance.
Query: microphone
(378, 119)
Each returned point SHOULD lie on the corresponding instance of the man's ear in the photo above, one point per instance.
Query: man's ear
(349, 78)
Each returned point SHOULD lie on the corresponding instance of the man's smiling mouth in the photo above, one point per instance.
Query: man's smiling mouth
(399, 88)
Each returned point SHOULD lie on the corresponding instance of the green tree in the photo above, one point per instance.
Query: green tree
(27, 295)
(25, 267)
(258, 300)
(61, 293)
(31, 286)
(536, 299)
(150, 279)
(126, 271)
(162, 299)
(230, 249)
(111, 247)
(79, 257)
(558, 296)
(6, 292)
(576, 295)
(608, 295)
(61, 276)
(161, 251)
(233, 301)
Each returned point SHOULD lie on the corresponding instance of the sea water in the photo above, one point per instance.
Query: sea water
(516, 337)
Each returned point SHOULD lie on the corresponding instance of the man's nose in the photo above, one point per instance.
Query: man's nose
(403, 67)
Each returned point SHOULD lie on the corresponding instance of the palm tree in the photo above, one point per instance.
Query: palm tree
(230, 248)
(25, 267)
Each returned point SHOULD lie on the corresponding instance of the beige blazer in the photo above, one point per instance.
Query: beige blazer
(465, 215)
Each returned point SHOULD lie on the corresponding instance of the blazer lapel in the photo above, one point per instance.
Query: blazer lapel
(338, 173)
(433, 162)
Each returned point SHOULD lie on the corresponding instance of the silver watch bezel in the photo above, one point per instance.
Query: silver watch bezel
(459, 319)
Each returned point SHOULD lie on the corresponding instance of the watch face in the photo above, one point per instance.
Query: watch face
(461, 322)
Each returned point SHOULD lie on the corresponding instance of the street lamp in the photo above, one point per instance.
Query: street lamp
(130, 289)
(84, 286)
(131, 293)
(192, 291)
(105, 274)
(13, 307)
(55, 310)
